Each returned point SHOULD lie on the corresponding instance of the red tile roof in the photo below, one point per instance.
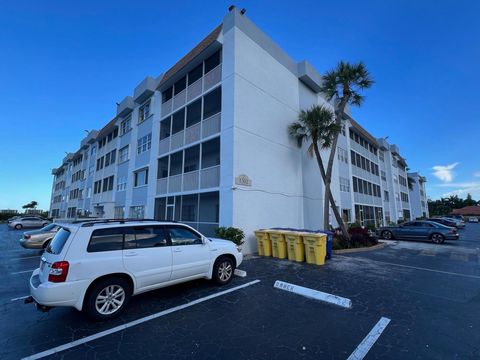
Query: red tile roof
(467, 210)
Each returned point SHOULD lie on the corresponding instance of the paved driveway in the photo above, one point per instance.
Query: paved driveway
(430, 292)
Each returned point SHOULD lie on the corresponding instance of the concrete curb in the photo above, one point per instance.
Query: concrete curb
(375, 247)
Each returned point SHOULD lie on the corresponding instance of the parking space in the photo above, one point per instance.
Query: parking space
(430, 292)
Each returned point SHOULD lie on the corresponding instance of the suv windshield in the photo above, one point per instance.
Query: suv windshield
(58, 242)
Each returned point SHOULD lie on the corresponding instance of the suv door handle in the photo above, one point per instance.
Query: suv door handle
(177, 250)
(131, 253)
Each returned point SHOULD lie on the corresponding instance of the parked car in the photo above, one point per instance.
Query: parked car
(444, 221)
(460, 224)
(39, 239)
(473, 219)
(96, 266)
(456, 216)
(427, 230)
(28, 222)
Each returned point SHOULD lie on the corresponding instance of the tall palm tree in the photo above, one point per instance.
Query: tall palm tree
(317, 126)
(344, 85)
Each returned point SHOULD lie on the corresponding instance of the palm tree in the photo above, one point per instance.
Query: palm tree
(317, 126)
(344, 85)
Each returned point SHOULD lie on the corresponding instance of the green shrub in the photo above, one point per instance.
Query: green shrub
(231, 233)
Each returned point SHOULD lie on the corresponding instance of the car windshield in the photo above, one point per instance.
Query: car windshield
(58, 242)
(49, 227)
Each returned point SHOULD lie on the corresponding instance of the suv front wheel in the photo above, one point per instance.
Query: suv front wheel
(108, 298)
(223, 270)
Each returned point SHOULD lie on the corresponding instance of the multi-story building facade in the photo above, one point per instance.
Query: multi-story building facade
(418, 195)
(206, 143)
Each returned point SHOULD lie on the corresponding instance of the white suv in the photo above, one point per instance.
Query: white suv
(96, 266)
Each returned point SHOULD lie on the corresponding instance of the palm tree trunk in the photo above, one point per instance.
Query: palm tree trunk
(328, 195)
(328, 175)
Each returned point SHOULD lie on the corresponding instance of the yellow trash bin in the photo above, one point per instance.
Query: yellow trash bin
(295, 247)
(263, 243)
(315, 247)
(279, 246)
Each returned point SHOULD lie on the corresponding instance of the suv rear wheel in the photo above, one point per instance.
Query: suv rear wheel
(107, 298)
(18, 226)
(223, 270)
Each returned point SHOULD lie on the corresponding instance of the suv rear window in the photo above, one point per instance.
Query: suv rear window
(58, 242)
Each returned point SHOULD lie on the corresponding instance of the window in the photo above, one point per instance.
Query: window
(212, 62)
(190, 208)
(126, 125)
(386, 196)
(211, 153)
(100, 163)
(137, 212)
(108, 184)
(382, 157)
(383, 175)
(180, 85)
(212, 103)
(144, 111)
(404, 197)
(119, 212)
(121, 183)
(176, 161)
(195, 74)
(144, 143)
(342, 155)
(146, 237)
(167, 94)
(58, 242)
(123, 154)
(97, 187)
(344, 184)
(178, 121)
(183, 236)
(194, 113)
(141, 177)
(192, 159)
(106, 240)
(165, 128)
(162, 171)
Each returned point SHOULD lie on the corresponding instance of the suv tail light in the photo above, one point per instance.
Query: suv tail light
(58, 271)
(26, 236)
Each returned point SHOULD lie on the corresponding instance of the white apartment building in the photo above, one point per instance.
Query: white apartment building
(418, 195)
(206, 143)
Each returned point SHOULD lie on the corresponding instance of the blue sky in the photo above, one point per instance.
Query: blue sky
(63, 65)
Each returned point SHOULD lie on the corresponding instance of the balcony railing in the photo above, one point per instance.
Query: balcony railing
(201, 130)
(194, 180)
(192, 91)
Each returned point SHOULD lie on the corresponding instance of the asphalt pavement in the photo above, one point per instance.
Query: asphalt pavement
(430, 293)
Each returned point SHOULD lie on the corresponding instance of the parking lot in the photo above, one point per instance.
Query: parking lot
(431, 294)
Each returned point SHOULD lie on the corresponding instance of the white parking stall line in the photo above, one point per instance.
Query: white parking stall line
(19, 298)
(134, 323)
(367, 343)
(22, 272)
(412, 267)
(314, 294)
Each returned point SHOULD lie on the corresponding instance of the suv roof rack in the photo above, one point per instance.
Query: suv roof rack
(86, 223)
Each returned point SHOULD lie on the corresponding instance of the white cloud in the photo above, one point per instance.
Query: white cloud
(462, 193)
(460, 185)
(444, 172)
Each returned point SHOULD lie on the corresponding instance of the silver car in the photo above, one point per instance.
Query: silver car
(39, 239)
(28, 222)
